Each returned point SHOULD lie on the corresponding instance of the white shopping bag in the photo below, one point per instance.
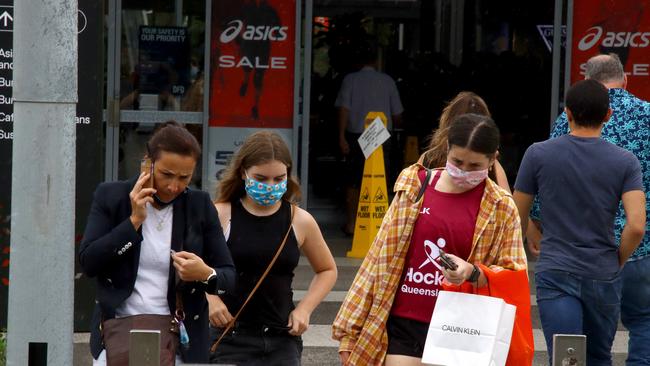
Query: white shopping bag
(469, 329)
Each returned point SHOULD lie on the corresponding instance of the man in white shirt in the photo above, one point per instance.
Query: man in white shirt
(366, 90)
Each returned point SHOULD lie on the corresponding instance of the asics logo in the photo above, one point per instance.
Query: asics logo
(590, 39)
(232, 31)
(595, 35)
(252, 32)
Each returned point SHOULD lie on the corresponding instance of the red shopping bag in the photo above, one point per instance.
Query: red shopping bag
(514, 289)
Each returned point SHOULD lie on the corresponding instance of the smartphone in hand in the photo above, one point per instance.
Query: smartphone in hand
(146, 166)
(446, 261)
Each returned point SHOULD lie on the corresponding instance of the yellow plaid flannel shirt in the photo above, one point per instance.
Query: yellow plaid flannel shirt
(360, 324)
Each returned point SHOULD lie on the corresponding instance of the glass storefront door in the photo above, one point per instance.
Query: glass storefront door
(155, 59)
(153, 65)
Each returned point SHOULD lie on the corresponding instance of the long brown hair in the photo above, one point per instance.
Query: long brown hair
(464, 102)
(259, 148)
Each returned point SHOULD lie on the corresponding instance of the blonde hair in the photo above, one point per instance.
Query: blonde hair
(465, 102)
(259, 148)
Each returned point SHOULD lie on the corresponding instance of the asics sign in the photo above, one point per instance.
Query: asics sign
(596, 35)
(253, 32)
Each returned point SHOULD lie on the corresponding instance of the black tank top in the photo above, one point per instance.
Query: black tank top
(253, 241)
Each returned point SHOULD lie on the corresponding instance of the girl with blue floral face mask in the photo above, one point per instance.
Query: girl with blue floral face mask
(255, 203)
(263, 187)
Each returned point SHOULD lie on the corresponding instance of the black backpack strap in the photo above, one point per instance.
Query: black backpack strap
(424, 185)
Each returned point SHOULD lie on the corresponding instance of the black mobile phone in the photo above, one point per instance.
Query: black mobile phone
(446, 261)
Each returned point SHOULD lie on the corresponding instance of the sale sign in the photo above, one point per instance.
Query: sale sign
(613, 26)
(252, 71)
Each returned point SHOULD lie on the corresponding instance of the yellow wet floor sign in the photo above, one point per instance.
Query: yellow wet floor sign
(373, 198)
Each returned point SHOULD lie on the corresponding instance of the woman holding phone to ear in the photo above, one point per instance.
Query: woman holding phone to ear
(257, 212)
(385, 316)
(155, 251)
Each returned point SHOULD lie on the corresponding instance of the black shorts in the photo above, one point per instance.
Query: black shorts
(354, 161)
(406, 337)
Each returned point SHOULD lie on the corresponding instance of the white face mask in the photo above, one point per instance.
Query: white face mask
(464, 179)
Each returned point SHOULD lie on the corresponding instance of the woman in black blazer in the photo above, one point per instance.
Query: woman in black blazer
(148, 246)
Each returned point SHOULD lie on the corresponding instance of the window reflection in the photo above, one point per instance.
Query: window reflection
(162, 56)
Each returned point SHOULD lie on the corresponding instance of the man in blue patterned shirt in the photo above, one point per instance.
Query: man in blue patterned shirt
(629, 128)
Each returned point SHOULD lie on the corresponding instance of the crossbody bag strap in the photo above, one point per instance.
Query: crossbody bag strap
(424, 185)
(259, 282)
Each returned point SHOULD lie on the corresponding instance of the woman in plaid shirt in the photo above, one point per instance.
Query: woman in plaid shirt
(385, 316)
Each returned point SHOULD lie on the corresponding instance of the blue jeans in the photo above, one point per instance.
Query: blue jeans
(635, 310)
(571, 304)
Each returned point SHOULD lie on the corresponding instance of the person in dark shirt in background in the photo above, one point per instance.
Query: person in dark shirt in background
(629, 128)
(580, 180)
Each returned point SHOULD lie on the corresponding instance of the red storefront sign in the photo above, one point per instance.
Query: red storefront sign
(614, 26)
(252, 71)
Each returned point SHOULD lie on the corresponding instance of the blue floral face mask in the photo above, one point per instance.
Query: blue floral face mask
(265, 194)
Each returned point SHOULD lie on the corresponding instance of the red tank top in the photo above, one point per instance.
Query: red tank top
(447, 221)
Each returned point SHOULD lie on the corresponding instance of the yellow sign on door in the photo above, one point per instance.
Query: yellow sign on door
(373, 198)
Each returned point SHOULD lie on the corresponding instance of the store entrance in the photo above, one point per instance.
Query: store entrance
(433, 50)
(155, 57)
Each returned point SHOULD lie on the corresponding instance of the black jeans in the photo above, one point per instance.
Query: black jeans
(263, 346)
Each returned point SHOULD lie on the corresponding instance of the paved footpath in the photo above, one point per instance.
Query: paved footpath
(319, 348)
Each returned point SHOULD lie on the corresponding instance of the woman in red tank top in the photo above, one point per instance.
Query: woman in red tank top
(463, 213)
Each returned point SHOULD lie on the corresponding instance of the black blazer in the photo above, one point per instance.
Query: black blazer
(110, 251)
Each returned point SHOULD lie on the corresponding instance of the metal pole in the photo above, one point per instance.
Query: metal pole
(41, 290)
(207, 151)
(113, 90)
(306, 102)
(110, 86)
(568, 49)
(438, 26)
(296, 85)
(179, 13)
(557, 49)
(457, 35)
